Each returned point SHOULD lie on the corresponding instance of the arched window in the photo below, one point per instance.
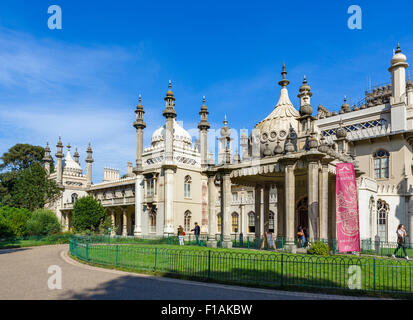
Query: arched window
(187, 187)
(235, 218)
(219, 222)
(74, 197)
(251, 222)
(187, 221)
(271, 221)
(152, 222)
(381, 164)
(382, 214)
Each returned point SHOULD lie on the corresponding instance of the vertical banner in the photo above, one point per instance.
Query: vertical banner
(347, 209)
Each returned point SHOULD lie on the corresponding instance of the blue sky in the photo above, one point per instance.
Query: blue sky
(82, 82)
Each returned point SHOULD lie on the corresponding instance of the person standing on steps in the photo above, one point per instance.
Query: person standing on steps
(401, 240)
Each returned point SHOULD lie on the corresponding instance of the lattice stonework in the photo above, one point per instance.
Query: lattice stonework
(359, 126)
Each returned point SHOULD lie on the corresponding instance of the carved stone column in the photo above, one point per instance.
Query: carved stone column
(257, 211)
(226, 210)
(212, 218)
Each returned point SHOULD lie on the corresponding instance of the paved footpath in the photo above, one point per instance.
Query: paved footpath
(24, 275)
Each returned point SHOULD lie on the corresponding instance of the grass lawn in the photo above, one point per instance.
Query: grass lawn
(253, 267)
(33, 241)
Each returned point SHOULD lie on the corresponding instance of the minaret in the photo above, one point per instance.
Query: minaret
(409, 90)
(89, 161)
(169, 168)
(76, 156)
(398, 76)
(244, 145)
(170, 114)
(59, 164)
(139, 125)
(47, 159)
(341, 138)
(225, 143)
(306, 110)
(203, 127)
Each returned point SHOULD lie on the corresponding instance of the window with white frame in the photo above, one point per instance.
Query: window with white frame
(187, 221)
(74, 197)
(381, 164)
(187, 187)
(382, 214)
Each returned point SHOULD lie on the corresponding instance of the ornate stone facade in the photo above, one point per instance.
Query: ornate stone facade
(284, 176)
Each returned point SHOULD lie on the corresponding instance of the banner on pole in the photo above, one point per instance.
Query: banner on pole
(347, 209)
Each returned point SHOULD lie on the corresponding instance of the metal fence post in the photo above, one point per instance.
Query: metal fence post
(374, 273)
(117, 254)
(87, 251)
(156, 255)
(282, 269)
(209, 264)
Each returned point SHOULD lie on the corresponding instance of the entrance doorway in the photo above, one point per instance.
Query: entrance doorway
(302, 212)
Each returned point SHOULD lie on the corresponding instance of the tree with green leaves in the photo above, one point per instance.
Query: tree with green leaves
(23, 181)
(88, 214)
(43, 222)
(14, 221)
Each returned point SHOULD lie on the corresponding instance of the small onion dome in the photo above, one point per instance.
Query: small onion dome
(409, 84)
(306, 110)
(334, 113)
(76, 154)
(169, 93)
(305, 86)
(398, 56)
(363, 106)
(289, 147)
(278, 149)
(225, 131)
(341, 133)
(267, 151)
(355, 108)
(345, 107)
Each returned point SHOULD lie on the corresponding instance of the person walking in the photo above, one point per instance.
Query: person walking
(197, 231)
(181, 235)
(401, 240)
(305, 237)
(300, 235)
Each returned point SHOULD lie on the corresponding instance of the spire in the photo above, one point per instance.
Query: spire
(76, 156)
(68, 147)
(139, 123)
(47, 157)
(284, 82)
(398, 48)
(89, 153)
(59, 147)
(169, 111)
(203, 124)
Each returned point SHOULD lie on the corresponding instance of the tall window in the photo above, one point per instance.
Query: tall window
(234, 196)
(235, 218)
(381, 164)
(187, 187)
(251, 222)
(271, 221)
(74, 197)
(382, 213)
(219, 222)
(152, 222)
(187, 221)
(150, 186)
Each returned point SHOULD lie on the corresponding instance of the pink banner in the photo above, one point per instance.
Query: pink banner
(347, 209)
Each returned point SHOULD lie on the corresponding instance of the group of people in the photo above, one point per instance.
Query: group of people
(181, 234)
(302, 236)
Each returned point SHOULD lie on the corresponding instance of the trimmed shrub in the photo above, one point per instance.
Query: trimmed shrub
(14, 221)
(88, 214)
(43, 222)
(319, 248)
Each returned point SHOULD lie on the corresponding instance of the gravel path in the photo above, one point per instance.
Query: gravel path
(24, 275)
